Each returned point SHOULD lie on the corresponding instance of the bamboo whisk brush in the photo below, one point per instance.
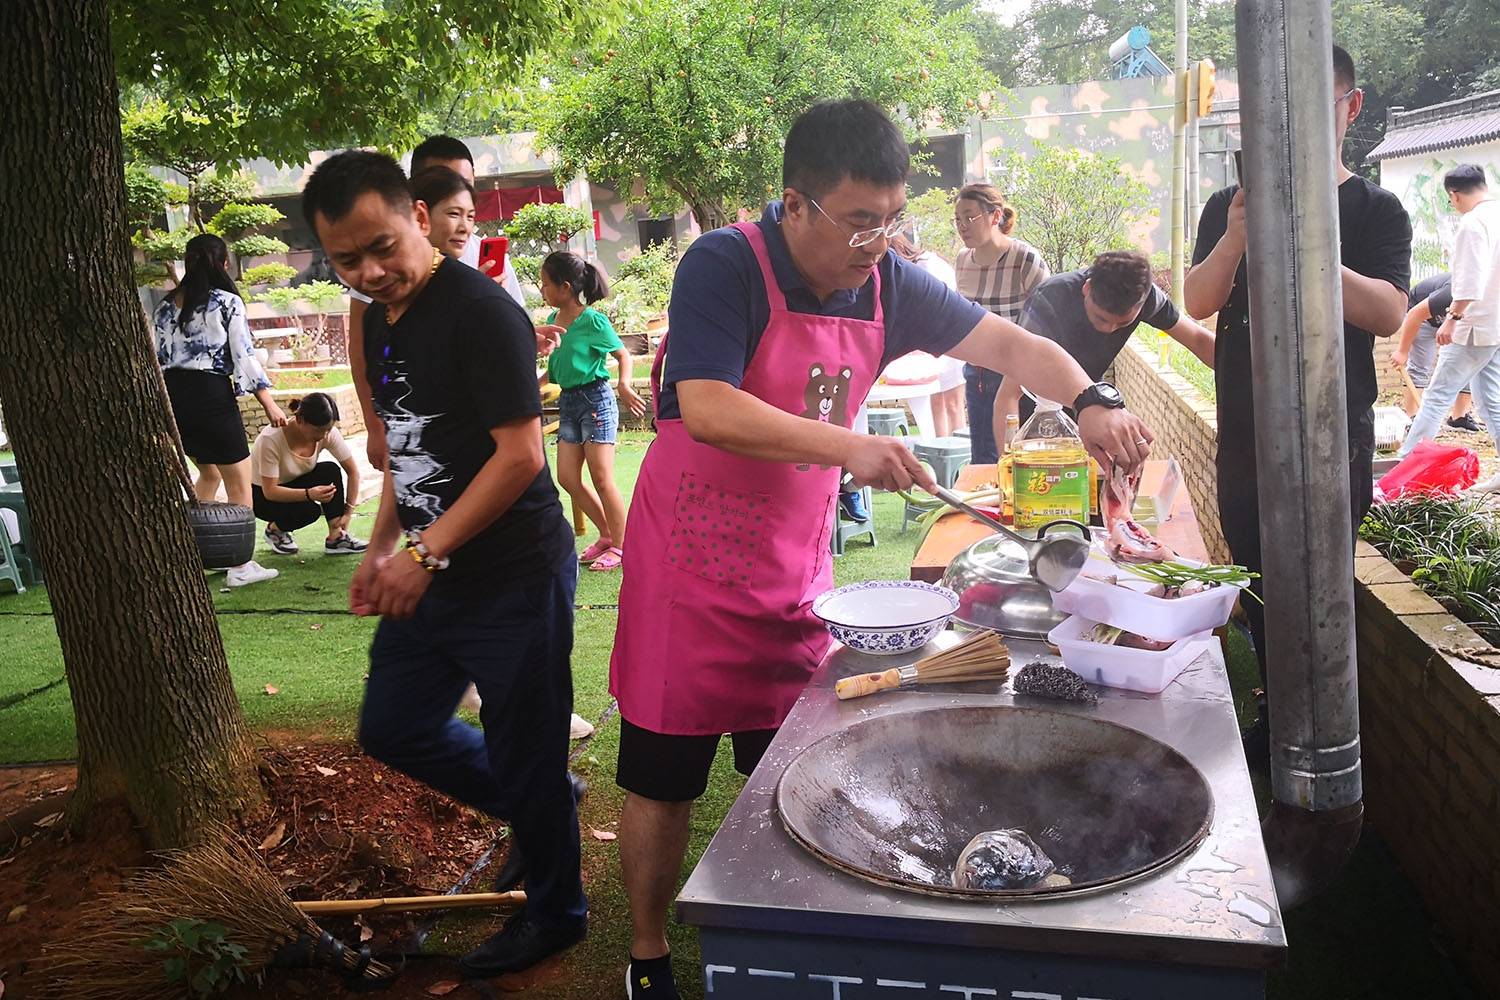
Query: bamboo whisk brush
(980, 657)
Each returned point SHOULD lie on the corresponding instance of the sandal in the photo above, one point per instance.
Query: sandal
(609, 561)
(601, 546)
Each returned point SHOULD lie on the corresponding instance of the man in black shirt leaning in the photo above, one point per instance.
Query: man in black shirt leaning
(1092, 313)
(483, 590)
(1415, 355)
(1375, 251)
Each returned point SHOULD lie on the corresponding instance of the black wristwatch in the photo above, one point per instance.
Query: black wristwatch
(1099, 394)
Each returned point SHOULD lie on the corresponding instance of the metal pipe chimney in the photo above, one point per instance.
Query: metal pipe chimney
(1297, 364)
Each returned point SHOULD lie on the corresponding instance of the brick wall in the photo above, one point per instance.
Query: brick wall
(1429, 721)
(351, 418)
(1185, 428)
(1430, 732)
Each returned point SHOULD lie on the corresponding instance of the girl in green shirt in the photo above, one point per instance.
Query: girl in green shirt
(589, 417)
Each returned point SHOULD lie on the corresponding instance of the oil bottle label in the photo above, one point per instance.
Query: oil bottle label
(1047, 492)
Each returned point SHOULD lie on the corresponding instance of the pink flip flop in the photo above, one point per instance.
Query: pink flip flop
(609, 561)
(601, 546)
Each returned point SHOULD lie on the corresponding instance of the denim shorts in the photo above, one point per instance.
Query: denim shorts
(588, 414)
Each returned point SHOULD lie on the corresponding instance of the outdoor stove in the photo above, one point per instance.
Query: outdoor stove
(857, 903)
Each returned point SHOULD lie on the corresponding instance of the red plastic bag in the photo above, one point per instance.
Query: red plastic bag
(1432, 468)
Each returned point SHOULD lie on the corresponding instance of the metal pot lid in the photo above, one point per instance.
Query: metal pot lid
(996, 590)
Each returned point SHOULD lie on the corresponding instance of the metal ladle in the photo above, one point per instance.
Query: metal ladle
(1055, 561)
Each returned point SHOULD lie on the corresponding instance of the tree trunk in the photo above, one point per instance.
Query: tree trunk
(158, 722)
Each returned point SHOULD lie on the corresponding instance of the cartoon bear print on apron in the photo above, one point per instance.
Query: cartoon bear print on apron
(725, 553)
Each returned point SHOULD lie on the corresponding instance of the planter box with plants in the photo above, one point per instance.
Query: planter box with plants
(1427, 589)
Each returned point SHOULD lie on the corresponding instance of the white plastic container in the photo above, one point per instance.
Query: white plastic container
(1144, 670)
(1127, 605)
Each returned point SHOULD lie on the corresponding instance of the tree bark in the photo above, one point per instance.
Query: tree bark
(158, 722)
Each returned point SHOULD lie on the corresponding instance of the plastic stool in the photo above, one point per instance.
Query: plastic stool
(844, 530)
(945, 455)
(888, 421)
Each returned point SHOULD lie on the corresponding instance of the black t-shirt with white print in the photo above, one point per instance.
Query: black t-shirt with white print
(459, 362)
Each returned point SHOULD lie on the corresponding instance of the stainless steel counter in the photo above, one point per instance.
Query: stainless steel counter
(1215, 909)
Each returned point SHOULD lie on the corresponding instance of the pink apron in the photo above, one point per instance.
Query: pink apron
(725, 554)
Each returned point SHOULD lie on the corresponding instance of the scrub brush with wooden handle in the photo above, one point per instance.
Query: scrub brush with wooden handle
(980, 657)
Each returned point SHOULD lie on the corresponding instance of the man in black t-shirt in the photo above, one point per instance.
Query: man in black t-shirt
(1375, 251)
(483, 591)
(1092, 313)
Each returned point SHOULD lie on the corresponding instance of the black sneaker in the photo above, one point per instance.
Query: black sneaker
(1464, 423)
(513, 872)
(650, 979)
(520, 945)
(345, 544)
(281, 541)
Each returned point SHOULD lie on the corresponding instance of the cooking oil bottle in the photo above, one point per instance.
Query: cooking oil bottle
(1003, 477)
(1050, 469)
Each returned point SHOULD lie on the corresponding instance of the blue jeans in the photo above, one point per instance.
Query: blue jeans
(1458, 365)
(588, 414)
(981, 386)
(515, 646)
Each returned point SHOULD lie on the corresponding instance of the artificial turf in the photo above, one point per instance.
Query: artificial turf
(1366, 938)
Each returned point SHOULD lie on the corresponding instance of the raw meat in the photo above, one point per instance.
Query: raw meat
(1128, 541)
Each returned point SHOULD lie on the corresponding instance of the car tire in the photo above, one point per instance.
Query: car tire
(225, 533)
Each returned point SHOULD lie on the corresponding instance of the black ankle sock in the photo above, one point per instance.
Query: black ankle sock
(650, 973)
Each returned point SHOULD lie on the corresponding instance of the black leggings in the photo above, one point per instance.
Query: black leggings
(301, 513)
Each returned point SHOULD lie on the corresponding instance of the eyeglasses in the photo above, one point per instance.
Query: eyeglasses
(864, 237)
(1345, 96)
(964, 221)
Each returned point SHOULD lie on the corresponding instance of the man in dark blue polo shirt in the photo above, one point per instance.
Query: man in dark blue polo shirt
(778, 331)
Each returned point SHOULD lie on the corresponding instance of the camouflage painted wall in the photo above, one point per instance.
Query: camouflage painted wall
(1130, 119)
(1418, 182)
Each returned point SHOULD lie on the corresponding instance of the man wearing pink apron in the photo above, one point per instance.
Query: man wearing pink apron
(778, 331)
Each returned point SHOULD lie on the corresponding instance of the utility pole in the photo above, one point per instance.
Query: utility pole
(1179, 152)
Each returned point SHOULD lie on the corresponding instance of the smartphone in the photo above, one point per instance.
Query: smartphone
(493, 248)
(1239, 168)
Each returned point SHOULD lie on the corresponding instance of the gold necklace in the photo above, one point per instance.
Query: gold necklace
(392, 315)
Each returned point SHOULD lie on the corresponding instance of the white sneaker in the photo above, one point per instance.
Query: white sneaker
(1490, 485)
(580, 728)
(251, 572)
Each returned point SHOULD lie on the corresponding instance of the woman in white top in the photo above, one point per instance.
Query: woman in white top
(292, 487)
(997, 271)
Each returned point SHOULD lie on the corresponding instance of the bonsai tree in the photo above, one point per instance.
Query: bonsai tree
(537, 230)
(322, 296)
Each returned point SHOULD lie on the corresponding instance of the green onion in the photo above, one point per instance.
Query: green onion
(1173, 575)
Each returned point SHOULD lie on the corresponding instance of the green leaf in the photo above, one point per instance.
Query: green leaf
(174, 969)
(267, 274)
(257, 246)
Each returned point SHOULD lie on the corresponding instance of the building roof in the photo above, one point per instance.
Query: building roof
(1441, 126)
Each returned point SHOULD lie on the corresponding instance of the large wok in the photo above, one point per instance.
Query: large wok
(894, 799)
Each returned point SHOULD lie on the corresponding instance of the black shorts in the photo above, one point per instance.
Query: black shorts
(671, 768)
(208, 418)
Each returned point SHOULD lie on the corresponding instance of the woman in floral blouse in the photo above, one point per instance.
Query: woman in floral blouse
(208, 358)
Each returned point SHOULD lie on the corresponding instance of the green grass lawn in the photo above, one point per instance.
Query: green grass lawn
(1367, 938)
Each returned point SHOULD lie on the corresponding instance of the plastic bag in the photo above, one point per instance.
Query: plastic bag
(1432, 468)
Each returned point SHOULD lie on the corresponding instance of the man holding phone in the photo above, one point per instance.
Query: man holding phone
(1375, 254)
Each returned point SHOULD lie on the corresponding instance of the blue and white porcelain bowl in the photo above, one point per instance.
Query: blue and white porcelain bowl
(886, 617)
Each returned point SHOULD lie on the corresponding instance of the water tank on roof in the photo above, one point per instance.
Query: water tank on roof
(1136, 38)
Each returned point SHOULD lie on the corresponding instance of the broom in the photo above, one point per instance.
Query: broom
(222, 883)
(980, 657)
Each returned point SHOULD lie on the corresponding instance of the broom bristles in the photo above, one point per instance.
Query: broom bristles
(980, 656)
(221, 881)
